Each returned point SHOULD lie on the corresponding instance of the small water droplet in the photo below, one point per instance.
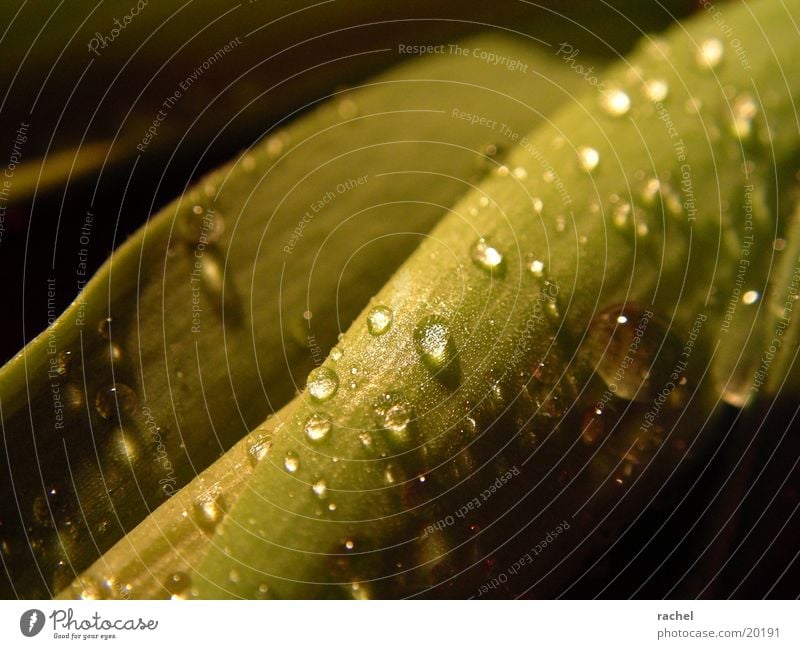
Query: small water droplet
(336, 354)
(320, 489)
(536, 267)
(365, 439)
(63, 362)
(620, 213)
(178, 585)
(331, 507)
(751, 297)
(274, 146)
(397, 417)
(520, 173)
(118, 398)
(347, 108)
(709, 56)
(317, 428)
(486, 256)
(390, 474)
(379, 320)
(745, 110)
(615, 102)
(656, 90)
(349, 544)
(233, 576)
(590, 158)
(291, 462)
(322, 383)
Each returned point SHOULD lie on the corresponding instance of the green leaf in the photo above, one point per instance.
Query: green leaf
(209, 303)
(492, 378)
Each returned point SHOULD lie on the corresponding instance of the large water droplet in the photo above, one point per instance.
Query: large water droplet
(259, 447)
(320, 489)
(322, 383)
(633, 351)
(379, 320)
(486, 257)
(209, 510)
(434, 342)
(318, 426)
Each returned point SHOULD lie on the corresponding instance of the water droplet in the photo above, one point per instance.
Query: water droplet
(745, 110)
(656, 90)
(390, 474)
(538, 205)
(433, 341)
(379, 320)
(502, 171)
(63, 362)
(590, 158)
(318, 427)
(397, 417)
(104, 328)
(118, 398)
(322, 383)
(615, 102)
(349, 544)
(233, 576)
(320, 489)
(331, 507)
(274, 146)
(91, 589)
(336, 354)
(365, 439)
(259, 448)
(520, 173)
(291, 462)
(709, 55)
(536, 267)
(209, 510)
(347, 108)
(633, 351)
(779, 245)
(751, 297)
(178, 585)
(620, 213)
(593, 426)
(486, 256)
(393, 414)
